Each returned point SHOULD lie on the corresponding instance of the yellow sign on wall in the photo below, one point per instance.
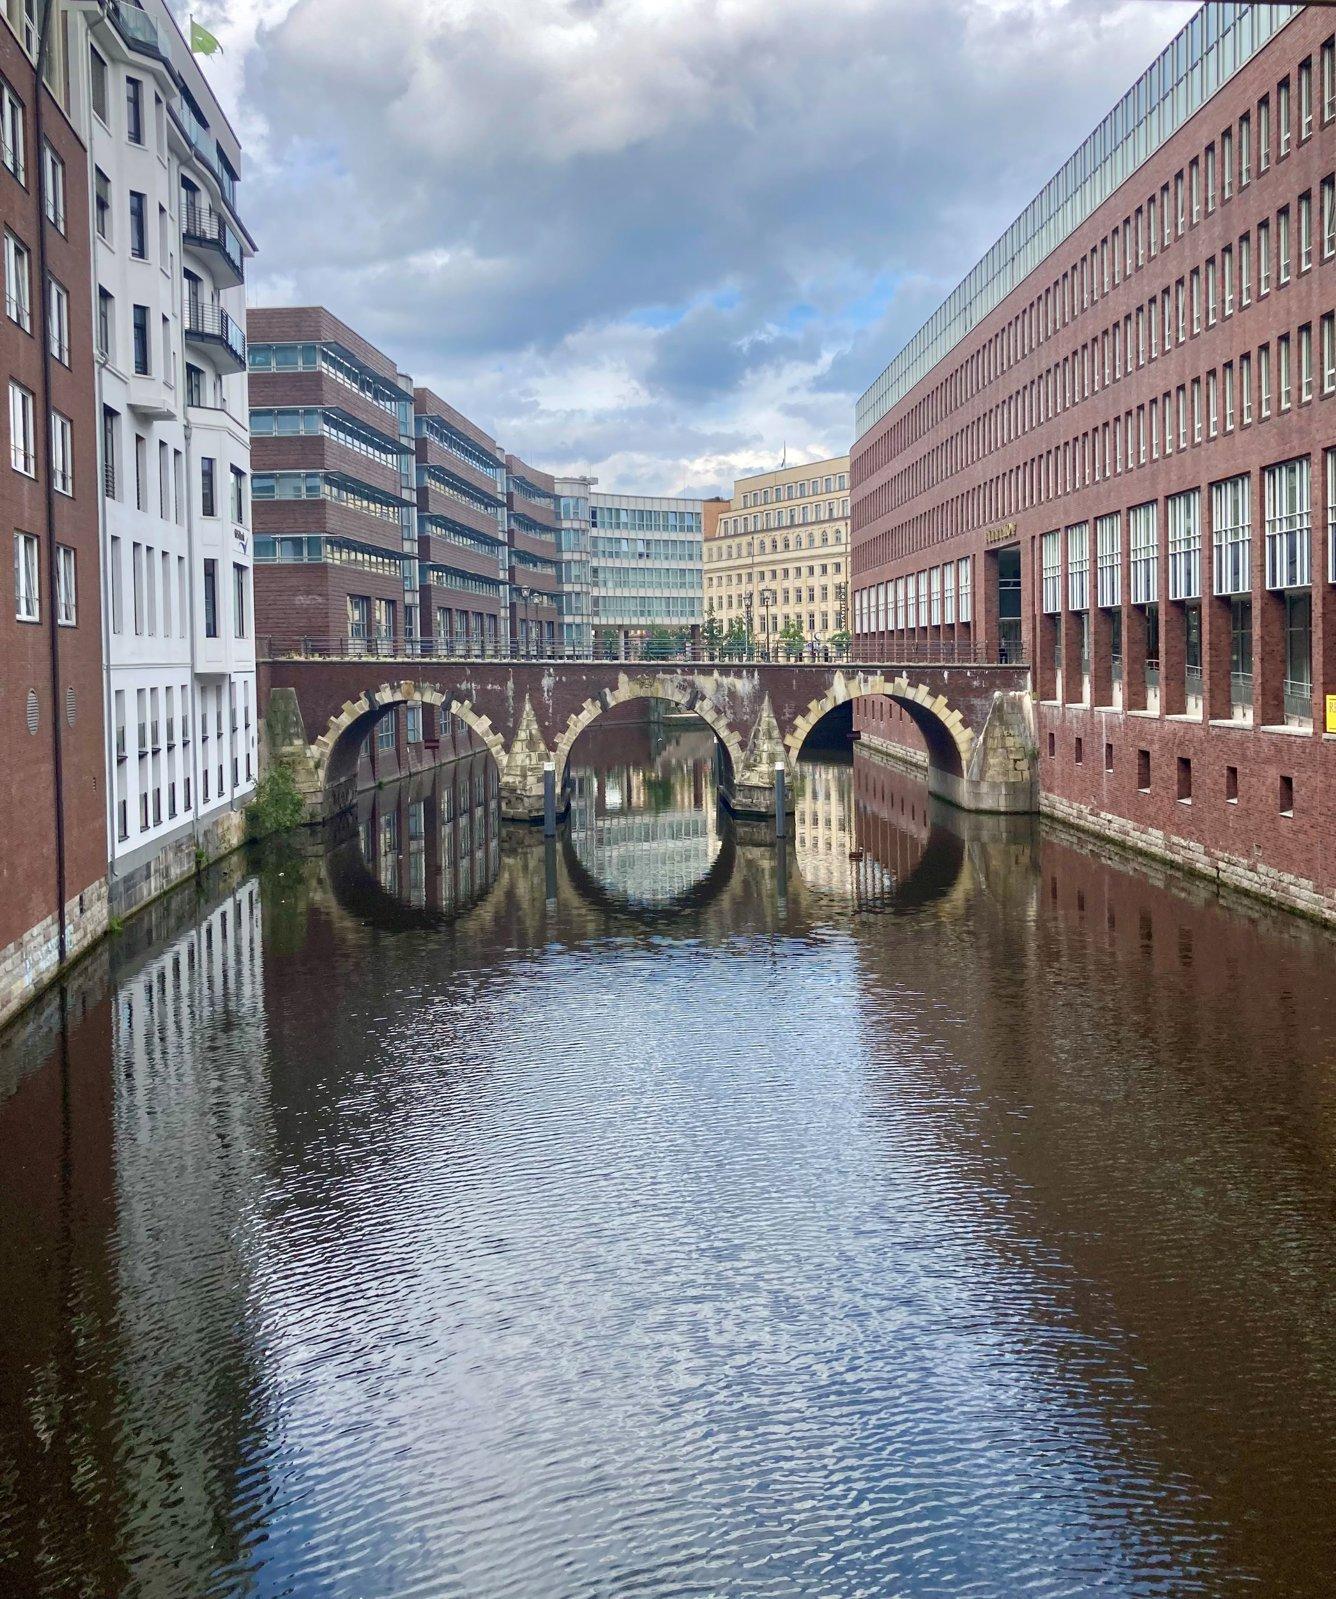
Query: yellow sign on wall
(1331, 713)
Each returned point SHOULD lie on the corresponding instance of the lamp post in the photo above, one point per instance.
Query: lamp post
(768, 598)
(747, 611)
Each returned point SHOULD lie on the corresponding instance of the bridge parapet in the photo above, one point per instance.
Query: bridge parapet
(976, 719)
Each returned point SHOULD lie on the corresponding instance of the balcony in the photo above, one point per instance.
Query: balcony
(204, 230)
(211, 326)
(137, 29)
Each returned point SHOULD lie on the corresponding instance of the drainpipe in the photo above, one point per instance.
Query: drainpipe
(44, 453)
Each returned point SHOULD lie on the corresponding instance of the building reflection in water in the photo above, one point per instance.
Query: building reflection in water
(644, 820)
(134, 1390)
(432, 842)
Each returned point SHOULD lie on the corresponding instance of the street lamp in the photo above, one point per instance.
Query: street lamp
(747, 611)
(768, 598)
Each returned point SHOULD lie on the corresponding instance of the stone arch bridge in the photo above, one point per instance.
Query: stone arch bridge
(976, 720)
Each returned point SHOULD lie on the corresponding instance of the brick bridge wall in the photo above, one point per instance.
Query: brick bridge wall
(973, 718)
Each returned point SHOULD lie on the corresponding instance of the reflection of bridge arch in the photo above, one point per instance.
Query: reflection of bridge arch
(455, 849)
(695, 896)
(949, 738)
(685, 697)
(856, 845)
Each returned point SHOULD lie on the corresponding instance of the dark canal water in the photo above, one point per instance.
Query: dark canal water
(935, 1209)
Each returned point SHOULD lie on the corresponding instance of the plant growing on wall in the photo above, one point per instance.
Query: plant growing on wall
(277, 806)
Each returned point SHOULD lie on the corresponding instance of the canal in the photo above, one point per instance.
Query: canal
(932, 1208)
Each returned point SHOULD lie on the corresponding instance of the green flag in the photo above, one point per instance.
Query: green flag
(202, 42)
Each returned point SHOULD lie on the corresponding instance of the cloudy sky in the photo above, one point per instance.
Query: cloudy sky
(658, 240)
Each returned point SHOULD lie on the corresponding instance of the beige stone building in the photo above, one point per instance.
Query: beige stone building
(778, 552)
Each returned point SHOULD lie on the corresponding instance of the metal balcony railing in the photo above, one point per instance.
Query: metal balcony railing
(202, 225)
(209, 321)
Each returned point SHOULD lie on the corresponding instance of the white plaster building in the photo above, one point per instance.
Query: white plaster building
(169, 313)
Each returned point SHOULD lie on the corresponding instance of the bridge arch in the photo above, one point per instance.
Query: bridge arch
(948, 736)
(338, 749)
(686, 697)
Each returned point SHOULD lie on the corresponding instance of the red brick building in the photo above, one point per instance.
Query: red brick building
(462, 548)
(333, 484)
(53, 865)
(1114, 448)
(532, 520)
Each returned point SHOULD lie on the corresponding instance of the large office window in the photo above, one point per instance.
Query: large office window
(240, 607)
(22, 431)
(27, 583)
(1050, 558)
(1289, 525)
(1144, 554)
(1185, 545)
(1108, 557)
(1231, 518)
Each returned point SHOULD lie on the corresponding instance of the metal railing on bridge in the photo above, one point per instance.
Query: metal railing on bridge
(915, 652)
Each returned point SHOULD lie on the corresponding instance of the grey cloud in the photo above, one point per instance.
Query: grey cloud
(476, 187)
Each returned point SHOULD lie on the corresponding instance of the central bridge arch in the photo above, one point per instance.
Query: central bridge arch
(673, 692)
(949, 738)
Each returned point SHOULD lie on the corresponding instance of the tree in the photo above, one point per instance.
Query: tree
(840, 642)
(662, 644)
(737, 641)
(712, 634)
(791, 637)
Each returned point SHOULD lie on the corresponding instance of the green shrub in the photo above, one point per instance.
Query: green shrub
(277, 806)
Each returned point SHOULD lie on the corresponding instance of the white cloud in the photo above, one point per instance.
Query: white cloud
(656, 238)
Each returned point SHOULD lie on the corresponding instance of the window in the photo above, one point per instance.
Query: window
(134, 110)
(211, 599)
(238, 496)
(1185, 780)
(58, 320)
(194, 385)
(1305, 99)
(1185, 545)
(1108, 558)
(140, 323)
(105, 323)
(1143, 771)
(1263, 257)
(1144, 554)
(138, 225)
(27, 589)
(963, 568)
(1050, 572)
(1283, 117)
(1283, 245)
(111, 451)
(1328, 217)
(1306, 362)
(99, 77)
(102, 203)
(1289, 525)
(22, 431)
(62, 454)
(1305, 232)
(1263, 134)
(1245, 149)
(53, 188)
(1328, 336)
(66, 613)
(1329, 80)
(1231, 517)
(413, 724)
(239, 606)
(1078, 566)
(208, 489)
(18, 282)
(12, 132)
(1286, 796)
